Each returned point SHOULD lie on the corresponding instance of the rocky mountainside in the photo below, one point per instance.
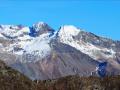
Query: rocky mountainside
(11, 79)
(41, 52)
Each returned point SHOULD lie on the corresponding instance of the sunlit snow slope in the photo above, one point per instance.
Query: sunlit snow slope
(41, 52)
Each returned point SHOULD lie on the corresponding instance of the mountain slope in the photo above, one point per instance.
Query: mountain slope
(81, 83)
(11, 79)
(40, 52)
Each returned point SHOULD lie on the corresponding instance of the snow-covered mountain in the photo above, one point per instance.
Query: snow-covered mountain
(41, 52)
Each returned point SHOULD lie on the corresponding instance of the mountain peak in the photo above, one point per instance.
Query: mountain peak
(68, 30)
(48, 54)
(42, 23)
(42, 26)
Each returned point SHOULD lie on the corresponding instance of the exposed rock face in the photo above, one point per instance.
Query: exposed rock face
(40, 52)
(61, 62)
(42, 27)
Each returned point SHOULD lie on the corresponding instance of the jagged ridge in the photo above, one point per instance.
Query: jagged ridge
(40, 52)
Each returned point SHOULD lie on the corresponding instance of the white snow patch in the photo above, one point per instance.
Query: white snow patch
(68, 30)
(40, 46)
(1, 36)
(66, 34)
(13, 32)
(36, 46)
(24, 44)
(1, 46)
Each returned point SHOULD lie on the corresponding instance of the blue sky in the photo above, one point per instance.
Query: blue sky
(100, 17)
